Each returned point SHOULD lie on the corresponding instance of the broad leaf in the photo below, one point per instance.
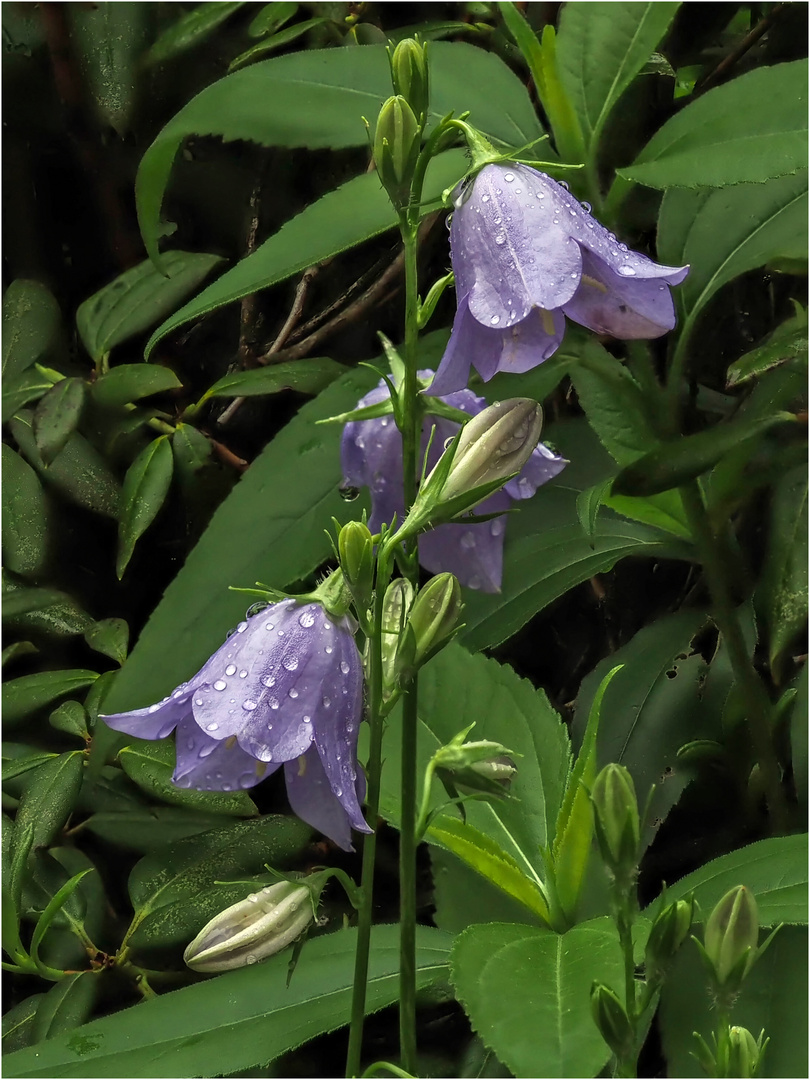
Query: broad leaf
(129, 382)
(317, 99)
(57, 416)
(146, 486)
(25, 695)
(110, 637)
(307, 376)
(145, 829)
(775, 870)
(786, 345)
(749, 130)
(276, 41)
(28, 386)
(139, 298)
(31, 321)
(461, 896)
(25, 532)
(189, 29)
(527, 993)
(67, 1005)
(239, 1019)
(601, 47)
(50, 798)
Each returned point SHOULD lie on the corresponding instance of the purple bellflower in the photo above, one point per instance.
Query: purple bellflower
(371, 454)
(285, 688)
(525, 255)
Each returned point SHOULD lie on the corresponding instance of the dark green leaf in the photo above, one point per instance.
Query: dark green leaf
(191, 1033)
(271, 17)
(308, 376)
(67, 1005)
(462, 896)
(18, 766)
(25, 695)
(352, 213)
(775, 870)
(43, 610)
(57, 416)
(31, 321)
(527, 993)
(600, 49)
(270, 44)
(173, 889)
(799, 739)
(50, 798)
(278, 511)
(110, 637)
(78, 470)
(19, 648)
(149, 828)
(151, 764)
(28, 386)
(786, 345)
(108, 38)
(690, 456)
(146, 486)
(773, 997)
(191, 450)
(129, 382)
(191, 28)
(71, 718)
(139, 298)
(318, 100)
(18, 1024)
(748, 130)
(25, 528)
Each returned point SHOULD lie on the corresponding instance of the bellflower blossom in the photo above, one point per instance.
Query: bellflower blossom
(525, 255)
(285, 688)
(371, 454)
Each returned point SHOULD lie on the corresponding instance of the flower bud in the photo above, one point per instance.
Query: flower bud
(396, 147)
(731, 935)
(434, 615)
(610, 1017)
(744, 1053)
(493, 446)
(257, 927)
(397, 604)
(356, 551)
(481, 766)
(668, 933)
(616, 820)
(409, 73)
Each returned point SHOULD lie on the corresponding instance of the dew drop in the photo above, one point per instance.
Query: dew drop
(307, 618)
(627, 271)
(328, 650)
(468, 541)
(268, 680)
(274, 703)
(496, 528)
(586, 206)
(293, 693)
(485, 198)
(206, 751)
(344, 667)
(509, 177)
(495, 320)
(198, 701)
(573, 213)
(248, 705)
(270, 626)
(338, 791)
(241, 628)
(230, 669)
(327, 702)
(475, 582)
(540, 195)
(327, 625)
(290, 663)
(348, 494)
(281, 633)
(500, 239)
(589, 224)
(307, 719)
(154, 708)
(227, 787)
(243, 674)
(212, 727)
(220, 684)
(563, 184)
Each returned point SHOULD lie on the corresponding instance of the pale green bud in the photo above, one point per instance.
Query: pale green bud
(434, 615)
(396, 606)
(610, 1017)
(731, 936)
(616, 820)
(356, 551)
(668, 933)
(409, 73)
(259, 926)
(397, 140)
(744, 1053)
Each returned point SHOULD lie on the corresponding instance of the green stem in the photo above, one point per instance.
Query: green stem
(715, 566)
(624, 911)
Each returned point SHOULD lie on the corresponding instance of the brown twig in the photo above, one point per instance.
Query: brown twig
(750, 39)
(228, 456)
(247, 316)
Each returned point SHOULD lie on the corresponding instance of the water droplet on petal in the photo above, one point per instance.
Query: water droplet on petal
(500, 239)
(475, 582)
(348, 494)
(485, 198)
(563, 184)
(496, 528)
(212, 727)
(307, 719)
(495, 320)
(468, 541)
(248, 705)
(220, 684)
(198, 701)
(307, 618)
(243, 674)
(293, 693)
(344, 667)
(290, 663)
(328, 650)
(509, 177)
(154, 708)
(586, 206)
(241, 628)
(268, 680)
(230, 669)
(327, 702)
(206, 751)
(273, 702)
(627, 271)
(338, 791)
(589, 224)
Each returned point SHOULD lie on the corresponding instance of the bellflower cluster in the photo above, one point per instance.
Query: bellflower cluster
(285, 688)
(526, 255)
(371, 454)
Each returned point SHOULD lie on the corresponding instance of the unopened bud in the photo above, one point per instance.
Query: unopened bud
(616, 821)
(356, 551)
(668, 933)
(397, 604)
(611, 1019)
(434, 616)
(257, 927)
(409, 73)
(397, 140)
(481, 766)
(744, 1053)
(731, 936)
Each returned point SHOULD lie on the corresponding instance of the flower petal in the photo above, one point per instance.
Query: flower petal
(208, 764)
(454, 370)
(542, 466)
(154, 722)
(370, 454)
(312, 799)
(473, 552)
(529, 342)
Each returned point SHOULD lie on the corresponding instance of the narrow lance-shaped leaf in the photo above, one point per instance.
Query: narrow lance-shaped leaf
(189, 29)
(25, 533)
(145, 488)
(307, 376)
(25, 695)
(51, 797)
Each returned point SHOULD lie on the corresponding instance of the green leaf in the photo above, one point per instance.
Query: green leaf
(25, 523)
(307, 376)
(278, 510)
(173, 889)
(799, 739)
(25, 695)
(57, 416)
(487, 858)
(726, 232)
(139, 298)
(651, 708)
(18, 1024)
(318, 101)
(19, 648)
(45, 611)
(601, 47)
(109, 637)
(457, 687)
(129, 382)
(108, 39)
(773, 997)
(461, 896)
(527, 993)
(151, 764)
(52, 910)
(782, 592)
(70, 717)
(66, 1006)
(270, 44)
(145, 829)
(746, 131)
(18, 766)
(31, 322)
(692, 455)
(28, 386)
(341, 219)
(78, 470)
(51, 797)
(786, 345)
(271, 17)
(146, 486)
(191, 28)
(191, 451)
(191, 1033)
(775, 870)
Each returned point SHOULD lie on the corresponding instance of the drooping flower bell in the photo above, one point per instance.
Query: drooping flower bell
(285, 688)
(526, 255)
(371, 454)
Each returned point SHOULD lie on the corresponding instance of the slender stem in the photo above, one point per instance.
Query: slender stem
(366, 911)
(746, 675)
(624, 910)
